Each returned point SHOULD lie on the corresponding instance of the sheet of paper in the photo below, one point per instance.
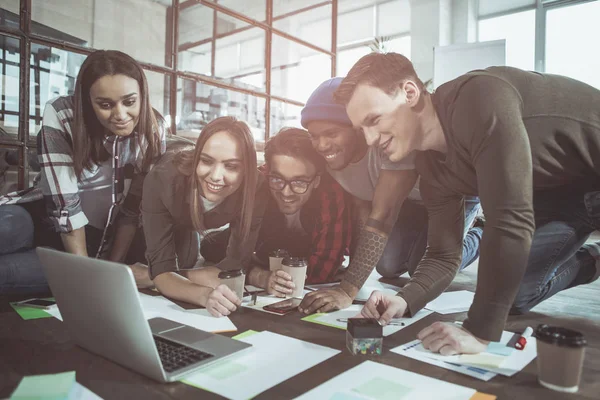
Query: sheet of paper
(452, 302)
(158, 306)
(80, 392)
(264, 365)
(331, 319)
(200, 318)
(509, 366)
(374, 381)
(53, 386)
(407, 350)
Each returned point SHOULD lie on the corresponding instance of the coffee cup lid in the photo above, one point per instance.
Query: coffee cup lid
(560, 336)
(230, 273)
(279, 253)
(294, 262)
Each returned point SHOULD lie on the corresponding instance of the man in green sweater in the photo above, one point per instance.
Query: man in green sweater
(528, 145)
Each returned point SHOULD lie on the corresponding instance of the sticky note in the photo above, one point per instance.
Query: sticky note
(482, 360)
(30, 312)
(45, 387)
(499, 348)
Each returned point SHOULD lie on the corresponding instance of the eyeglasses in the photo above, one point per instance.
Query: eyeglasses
(297, 186)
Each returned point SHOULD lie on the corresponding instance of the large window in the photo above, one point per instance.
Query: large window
(202, 60)
(519, 31)
(574, 51)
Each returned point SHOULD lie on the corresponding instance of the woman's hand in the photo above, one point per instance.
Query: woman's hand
(222, 301)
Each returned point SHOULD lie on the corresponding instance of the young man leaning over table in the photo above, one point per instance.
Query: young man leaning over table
(527, 144)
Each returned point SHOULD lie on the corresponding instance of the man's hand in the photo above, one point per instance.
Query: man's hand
(325, 300)
(141, 274)
(279, 283)
(222, 301)
(383, 307)
(449, 339)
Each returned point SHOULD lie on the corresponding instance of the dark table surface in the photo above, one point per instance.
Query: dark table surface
(44, 346)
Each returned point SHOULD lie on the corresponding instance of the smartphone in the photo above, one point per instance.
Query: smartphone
(37, 303)
(284, 306)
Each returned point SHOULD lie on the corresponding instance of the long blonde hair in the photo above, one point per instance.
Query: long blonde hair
(187, 162)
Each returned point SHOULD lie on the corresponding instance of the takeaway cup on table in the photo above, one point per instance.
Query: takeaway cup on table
(296, 267)
(275, 259)
(560, 354)
(234, 280)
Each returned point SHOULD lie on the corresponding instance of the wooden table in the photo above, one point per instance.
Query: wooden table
(43, 346)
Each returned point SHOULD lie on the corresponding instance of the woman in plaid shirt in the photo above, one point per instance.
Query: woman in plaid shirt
(94, 149)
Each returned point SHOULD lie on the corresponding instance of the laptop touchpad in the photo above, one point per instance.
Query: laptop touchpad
(187, 335)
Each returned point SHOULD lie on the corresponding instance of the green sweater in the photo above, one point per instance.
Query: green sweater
(509, 133)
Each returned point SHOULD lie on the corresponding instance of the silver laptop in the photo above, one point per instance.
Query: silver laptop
(99, 304)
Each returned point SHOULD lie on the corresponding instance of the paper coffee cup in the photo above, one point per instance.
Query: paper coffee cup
(560, 353)
(275, 259)
(234, 280)
(296, 267)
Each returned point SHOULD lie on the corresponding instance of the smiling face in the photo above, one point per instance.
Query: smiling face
(219, 171)
(292, 169)
(116, 103)
(338, 144)
(388, 121)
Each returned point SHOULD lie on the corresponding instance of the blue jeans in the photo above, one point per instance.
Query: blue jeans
(408, 239)
(564, 221)
(20, 268)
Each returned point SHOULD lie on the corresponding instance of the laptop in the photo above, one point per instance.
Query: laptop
(100, 305)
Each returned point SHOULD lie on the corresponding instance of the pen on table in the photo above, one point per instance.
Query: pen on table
(395, 323)
(522, 341)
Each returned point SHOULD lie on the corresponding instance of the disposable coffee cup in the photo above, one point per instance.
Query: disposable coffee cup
(560, 353)
(234, 279)
(275, 259)
(296, 267)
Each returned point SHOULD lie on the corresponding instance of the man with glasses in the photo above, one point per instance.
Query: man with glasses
(308, 214)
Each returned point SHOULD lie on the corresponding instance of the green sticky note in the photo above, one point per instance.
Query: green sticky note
(31, 312)
(314, 318)
(382, 389)
(45, 387)
(242, 335)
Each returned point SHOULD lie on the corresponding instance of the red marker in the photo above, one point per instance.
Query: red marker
(522, 342)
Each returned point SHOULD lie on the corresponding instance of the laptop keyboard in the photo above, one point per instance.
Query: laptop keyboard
(176, 356)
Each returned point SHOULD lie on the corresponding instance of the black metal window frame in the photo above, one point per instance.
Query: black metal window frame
(26, 37)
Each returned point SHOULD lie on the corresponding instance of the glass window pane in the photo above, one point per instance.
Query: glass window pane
(347, 58)
(393, 18)
(286, 6)
(9, 167)
(195, 38)
(297, 70)
(9, 13)
(355, 26)
(284, 115)
(255, 9)
(199, 103)
(519, 31)
(136, 27)
(570, 43)
(158, 88)
(240, 53)
(313, 26)
(53, 73)
(9, 87)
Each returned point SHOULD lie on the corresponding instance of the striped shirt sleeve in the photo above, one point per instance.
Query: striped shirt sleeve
(58, 181)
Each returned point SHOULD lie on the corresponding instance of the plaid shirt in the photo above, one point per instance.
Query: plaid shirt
(58, 185)
(326, 218)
